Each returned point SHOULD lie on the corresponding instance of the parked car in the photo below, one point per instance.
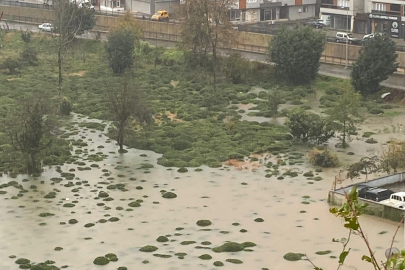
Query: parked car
(47, 27)
(346, 37)
(314, 24)
(368, 36)
(396, 200)
(375, 194)
(160, 15)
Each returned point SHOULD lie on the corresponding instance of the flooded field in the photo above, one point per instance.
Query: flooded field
(119, 208)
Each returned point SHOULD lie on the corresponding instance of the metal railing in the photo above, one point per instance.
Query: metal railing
(12, 18)
(383, 12)
(333, 7)
(23, 4)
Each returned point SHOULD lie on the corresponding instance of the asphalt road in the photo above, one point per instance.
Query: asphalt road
(394, 81)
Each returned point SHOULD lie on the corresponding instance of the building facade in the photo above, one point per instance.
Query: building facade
(386, 16)
(342, 13)
(251, 11)
(366, 16)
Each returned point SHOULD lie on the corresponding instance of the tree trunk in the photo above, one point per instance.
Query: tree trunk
(344, 134)
(60, 70)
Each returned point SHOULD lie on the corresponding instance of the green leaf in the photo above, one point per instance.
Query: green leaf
(342, 256)
(366, 258)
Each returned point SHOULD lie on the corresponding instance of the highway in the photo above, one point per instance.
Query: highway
(394, 81)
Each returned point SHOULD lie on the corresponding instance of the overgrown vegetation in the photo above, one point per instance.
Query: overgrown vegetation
(193, 125)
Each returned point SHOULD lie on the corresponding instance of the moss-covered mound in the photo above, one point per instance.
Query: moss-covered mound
(101, 261)
(205, 257)
(235, 261)
(148, 249)
(290, 256)
(233, 247)
(204, 223)
(162, 239)
(169, 195)
(111, 257)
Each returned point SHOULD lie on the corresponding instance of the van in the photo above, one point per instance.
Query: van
(160, 15)
(346, 37)
(375, 194)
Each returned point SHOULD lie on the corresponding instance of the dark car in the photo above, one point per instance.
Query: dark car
(314, 24)
(375, 194)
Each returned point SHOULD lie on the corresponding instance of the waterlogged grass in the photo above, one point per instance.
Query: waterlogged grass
(194, 124)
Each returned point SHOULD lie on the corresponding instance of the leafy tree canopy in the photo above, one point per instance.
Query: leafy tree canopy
(120, 48)
(296, 53)
(377, 60)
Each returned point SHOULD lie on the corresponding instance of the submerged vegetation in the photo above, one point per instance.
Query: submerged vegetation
(193, 123)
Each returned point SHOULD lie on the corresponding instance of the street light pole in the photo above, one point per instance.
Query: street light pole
(347, 36)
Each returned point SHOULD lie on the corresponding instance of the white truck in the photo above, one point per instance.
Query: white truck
(396, 200)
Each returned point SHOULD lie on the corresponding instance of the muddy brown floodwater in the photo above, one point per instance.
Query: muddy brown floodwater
(230, 197)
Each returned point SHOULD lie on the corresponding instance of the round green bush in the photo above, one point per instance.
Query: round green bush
(205, 257)
(148, 249)
(235, 261)
(169, 195)
(111, 257)
(290, 256)
(182, 170)
(101, 261)
(203, 223)
(22, 261)
(162, 239)
(218, 263)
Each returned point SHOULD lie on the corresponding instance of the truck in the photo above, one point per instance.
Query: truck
(396, 200)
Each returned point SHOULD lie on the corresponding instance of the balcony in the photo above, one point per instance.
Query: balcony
(333, 7)
(393, 13)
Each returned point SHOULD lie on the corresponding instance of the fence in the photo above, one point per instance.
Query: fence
(11, 18)
(23, 4)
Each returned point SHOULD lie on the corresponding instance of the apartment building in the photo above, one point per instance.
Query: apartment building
(342, 14)
(366, 16)
(386, 16)
(273, 10)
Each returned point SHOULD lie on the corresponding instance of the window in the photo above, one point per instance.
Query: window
(235, 15)
(395, 7)
(251, 1)
(343, 3)
(379, 6)
(304, 8)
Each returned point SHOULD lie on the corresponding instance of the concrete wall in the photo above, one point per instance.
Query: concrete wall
(379, 182)
(43, 14)
(373, 208)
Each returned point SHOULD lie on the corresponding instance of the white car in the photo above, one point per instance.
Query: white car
(47, 27)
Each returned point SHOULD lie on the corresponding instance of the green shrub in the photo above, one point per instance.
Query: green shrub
(29, 57)
(11, 64)
(323, 158)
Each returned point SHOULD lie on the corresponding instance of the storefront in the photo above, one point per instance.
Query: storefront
(388, 24)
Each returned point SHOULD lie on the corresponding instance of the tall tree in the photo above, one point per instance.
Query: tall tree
(206, 28)
(345, 113)
(126, 103)
(30, 129)
(376, 62)
(296, 53)
(120, 48)
(70, 20)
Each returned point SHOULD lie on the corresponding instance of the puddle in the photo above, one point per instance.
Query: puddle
(231, 198)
